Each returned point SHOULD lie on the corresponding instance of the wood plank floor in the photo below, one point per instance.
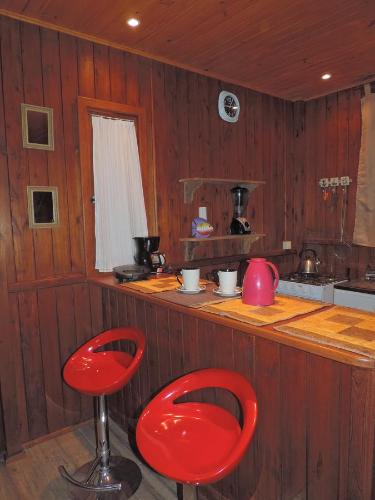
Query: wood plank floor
(34, 476)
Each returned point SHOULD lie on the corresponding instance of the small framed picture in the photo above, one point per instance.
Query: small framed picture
(37, 127)
(43, 206)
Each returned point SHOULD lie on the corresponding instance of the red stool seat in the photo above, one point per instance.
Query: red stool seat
(99, 373)
(196, 443)
(103, 373)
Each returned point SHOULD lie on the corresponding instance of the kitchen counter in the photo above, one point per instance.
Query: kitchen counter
(267, 332)
(316, 431)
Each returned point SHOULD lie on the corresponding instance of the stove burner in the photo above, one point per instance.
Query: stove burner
(310, 279)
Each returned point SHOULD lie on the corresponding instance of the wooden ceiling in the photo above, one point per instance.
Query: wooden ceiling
(277, 47)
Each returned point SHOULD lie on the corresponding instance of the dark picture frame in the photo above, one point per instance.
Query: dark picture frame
(37, 127)
(43, 206)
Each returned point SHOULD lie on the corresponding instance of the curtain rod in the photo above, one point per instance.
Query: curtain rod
(112, 118)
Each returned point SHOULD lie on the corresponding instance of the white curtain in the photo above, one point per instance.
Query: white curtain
(120, 212)
(364, 227)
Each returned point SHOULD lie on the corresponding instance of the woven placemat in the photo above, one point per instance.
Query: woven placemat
(283, 308)
(194, 300)
(340, 327)
(155, 285)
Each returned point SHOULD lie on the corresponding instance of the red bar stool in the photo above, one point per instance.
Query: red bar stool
(196, 443)
(100, 373)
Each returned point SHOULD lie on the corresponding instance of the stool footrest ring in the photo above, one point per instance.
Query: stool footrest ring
(87, 486)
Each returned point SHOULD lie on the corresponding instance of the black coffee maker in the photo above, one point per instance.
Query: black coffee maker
(239, 224)
(144, 248)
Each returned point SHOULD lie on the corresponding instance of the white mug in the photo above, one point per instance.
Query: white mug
(190, 279)
(227, 280)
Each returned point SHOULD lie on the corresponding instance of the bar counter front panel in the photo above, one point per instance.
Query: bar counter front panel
(315, 433)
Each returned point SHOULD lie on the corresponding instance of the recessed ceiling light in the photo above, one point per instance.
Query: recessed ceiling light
(326, 76)
(133, 22)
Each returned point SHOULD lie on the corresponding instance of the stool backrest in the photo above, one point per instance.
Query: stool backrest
(113, 335)
(232, 381)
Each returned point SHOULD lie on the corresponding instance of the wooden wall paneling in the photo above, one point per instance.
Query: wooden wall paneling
(343, 101)
(176, 344)
(86, 77)
(206, 339)
(267, 388)
(5, 217)
(37, 159)
(314, 160)
(13, 415)
(133, 385)
(152, 349)
(323, 439)
(296, 175)
(142, 375)
(50, 52)
(17, 158)
(32, 364)
(249, 470)
(96, 309)
(162, 332)
(256, 172)
(107, 320)
(101, 72)
(331, 218)
(117, 78)
(190, 343)
(132, 79)
(22, 420)
(124, 395)
(215, 153)
(278, 169)
(346, 391)
(113, 306)
(268, 219)
(221, 343)
(161, 157)
(146, 98)
(68, 344)
(180, 158)
(69, 86)
(114, 400)
(49, 336)
(293, 419)
(361, 448)
(82, 314)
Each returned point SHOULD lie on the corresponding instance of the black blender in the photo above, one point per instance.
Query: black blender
(239, 224)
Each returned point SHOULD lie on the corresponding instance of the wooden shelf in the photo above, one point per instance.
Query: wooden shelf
(193, 183)
(245, 240)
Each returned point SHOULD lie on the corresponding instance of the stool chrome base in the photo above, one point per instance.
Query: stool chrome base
(118, 482)
(107, 477)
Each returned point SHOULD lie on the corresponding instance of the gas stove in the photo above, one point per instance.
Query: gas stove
(315, 287)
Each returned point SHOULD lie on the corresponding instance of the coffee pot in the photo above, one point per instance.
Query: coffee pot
(144, 248)
(259, 283)
(308, 262)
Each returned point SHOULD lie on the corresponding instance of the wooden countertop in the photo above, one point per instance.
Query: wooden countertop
(266, 332)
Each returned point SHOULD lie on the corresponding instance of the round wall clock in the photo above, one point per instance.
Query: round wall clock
(228, 106)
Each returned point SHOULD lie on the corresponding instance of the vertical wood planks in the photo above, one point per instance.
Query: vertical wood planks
(323, 436)
(50, 349)
(61, 244)
(32, 364)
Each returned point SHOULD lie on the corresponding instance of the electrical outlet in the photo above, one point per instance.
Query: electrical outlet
(287, 245)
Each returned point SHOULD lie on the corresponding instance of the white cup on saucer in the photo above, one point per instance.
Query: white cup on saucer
(227, 281)
(190, 279)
